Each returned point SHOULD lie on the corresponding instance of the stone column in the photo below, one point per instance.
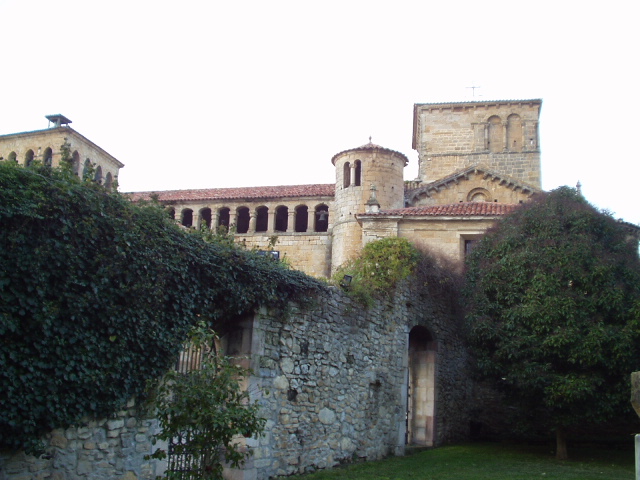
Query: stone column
(291, 226)
(252, 222)
(505, 137)
(271, 221)
(635, 401)
(233, 219)
(215, 218)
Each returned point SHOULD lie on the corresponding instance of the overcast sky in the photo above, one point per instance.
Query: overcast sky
(197, 94)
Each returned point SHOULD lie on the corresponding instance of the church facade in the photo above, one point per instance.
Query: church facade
(477, 162)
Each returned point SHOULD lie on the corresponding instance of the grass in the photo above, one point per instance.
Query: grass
(492, 461)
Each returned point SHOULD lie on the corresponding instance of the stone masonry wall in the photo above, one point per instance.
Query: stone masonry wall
(102, 449)
(332, 381)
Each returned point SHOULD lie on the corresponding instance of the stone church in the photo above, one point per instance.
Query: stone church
(477, 161)
(336, 383)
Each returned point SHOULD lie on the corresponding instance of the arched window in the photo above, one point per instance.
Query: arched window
(12, 157)
(47, 157)
(75, 163)
(495, 135)
(322, 218)
(358, 179)
(98, 176)
(242, 225)
(223, 219)
(186, 217)
(346, 175)
(171, 212)
(108, 181)
(421, 395)
(205, 218)
(282, 219)
(28, 158)
(514, 133)
(86, 171)
(302, 218)
(262, 219)
(479, 195)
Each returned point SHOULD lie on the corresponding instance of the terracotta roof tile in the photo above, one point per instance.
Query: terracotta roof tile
(239, 193)
(464, 209)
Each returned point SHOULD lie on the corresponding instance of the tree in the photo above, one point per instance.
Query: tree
(204, 411)
(554, 313)
(97, 295)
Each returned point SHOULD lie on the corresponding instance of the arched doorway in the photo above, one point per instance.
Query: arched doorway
(421, 395)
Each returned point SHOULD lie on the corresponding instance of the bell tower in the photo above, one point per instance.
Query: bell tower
(357, 170)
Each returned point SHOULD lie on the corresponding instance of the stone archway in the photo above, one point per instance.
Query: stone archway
(421, 388)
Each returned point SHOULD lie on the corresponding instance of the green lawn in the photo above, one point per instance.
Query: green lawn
(492, 461)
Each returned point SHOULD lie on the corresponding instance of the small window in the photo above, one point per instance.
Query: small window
(347, 174)
(358, 179)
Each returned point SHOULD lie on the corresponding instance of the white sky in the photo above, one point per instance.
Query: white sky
(197, 94)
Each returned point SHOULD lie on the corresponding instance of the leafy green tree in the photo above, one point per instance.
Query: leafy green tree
(97, 295)
(553, 296)
(205, 412)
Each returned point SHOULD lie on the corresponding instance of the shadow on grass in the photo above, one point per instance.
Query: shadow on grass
(493, 461)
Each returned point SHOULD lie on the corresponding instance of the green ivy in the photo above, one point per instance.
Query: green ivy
(381, 265)
(97, 295)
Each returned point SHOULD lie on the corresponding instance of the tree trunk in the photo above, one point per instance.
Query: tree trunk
(561, 444)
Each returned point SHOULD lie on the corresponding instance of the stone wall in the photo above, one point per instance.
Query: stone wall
(502, 135)
(331, 378)
(104, 449)
(332, 381)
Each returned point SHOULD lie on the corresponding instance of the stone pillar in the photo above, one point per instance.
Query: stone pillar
(233, 219)
(635, 401)
(252, 222)
(505, 137)
(271, 221)
(291, 226)
(215, 218)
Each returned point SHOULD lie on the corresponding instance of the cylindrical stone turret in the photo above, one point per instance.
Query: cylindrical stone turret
(357, 170)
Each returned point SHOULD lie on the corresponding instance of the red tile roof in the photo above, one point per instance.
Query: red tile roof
(371, 146)
(464, 209)
(239, 193)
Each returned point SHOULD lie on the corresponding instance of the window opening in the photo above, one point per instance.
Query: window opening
(223, 219)
(302, 218)
(47, 157)
(262, 219)
(187, 218)
(347, 174)
(358, 178)
(282, 219)
(242, 225)
(322, 218)
(28, 158)
(205, 218)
